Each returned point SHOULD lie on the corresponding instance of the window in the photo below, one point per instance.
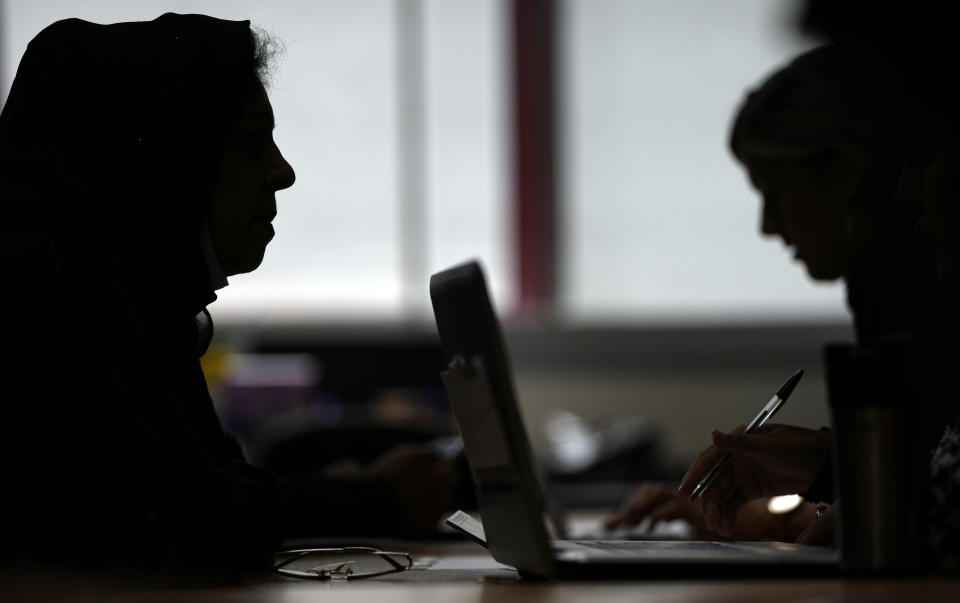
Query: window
(661, 223)
(395, 115)
(347, 245)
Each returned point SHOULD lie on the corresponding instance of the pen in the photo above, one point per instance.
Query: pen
(765, 413)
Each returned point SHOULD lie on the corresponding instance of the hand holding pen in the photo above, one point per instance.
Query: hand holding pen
(767, 460)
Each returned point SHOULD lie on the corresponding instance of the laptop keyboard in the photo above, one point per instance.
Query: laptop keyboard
(648, 545)
(681, 549)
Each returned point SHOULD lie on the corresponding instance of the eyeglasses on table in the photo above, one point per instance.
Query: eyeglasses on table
(339, 563)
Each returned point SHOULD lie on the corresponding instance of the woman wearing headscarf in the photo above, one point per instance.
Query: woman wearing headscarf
(111, 144)
(138, 171)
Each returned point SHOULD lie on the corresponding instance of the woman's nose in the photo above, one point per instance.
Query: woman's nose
(281, 175)
(769, 224)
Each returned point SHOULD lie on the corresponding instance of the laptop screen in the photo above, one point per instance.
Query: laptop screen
(479, 385)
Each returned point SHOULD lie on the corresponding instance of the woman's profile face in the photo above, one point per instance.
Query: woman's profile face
(244, 201)
(806, 205)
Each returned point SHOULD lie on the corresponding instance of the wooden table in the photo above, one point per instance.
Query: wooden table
(874, 591)
(493, 586)
(489, 585)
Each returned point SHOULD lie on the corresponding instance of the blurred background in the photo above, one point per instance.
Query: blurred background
(577, 148)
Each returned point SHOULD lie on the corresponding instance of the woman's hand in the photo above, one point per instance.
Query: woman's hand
(656, 502)
(423, 482)
(773, 460)
(822, 530)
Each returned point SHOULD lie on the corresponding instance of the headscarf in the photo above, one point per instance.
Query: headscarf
(110, 143)
(113, 133)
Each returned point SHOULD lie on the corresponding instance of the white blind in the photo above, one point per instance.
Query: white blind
(338, 252)
(657, 220)
(661, 222)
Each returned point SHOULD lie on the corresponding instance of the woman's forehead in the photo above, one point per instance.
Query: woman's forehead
(258, 108)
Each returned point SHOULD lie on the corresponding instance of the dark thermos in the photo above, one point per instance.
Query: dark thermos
(881, 456)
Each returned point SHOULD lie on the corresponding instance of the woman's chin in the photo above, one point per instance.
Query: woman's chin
(823, 275)
(821, 271)
(247, 262)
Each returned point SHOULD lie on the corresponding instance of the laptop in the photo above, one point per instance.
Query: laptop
(520, 525)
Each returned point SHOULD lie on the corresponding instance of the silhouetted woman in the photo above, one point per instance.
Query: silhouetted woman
(823, 141)
(137, 171)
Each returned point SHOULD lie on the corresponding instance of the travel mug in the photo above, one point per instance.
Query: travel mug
(881, 457)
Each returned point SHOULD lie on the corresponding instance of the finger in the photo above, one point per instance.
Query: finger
(617, 517)
(749, 445)
(728, 511)
(720, 523)
(710, 514)
(728, 442)
(819, 531)
(720, 492)
(613, 520)
(703, 465)
(719, 488)
(643, 508)
(647, 497)
(726, 497)
(804, 537)
(698, 470)
(678, 508)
